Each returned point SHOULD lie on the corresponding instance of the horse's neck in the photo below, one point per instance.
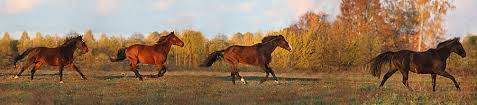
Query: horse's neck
(444, 52)
(67, 50)
(269, 47)
(164, 46)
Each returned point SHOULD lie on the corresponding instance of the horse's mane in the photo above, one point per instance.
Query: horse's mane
(447, 42)
(269, 38)
(70, 39)
(162, 39)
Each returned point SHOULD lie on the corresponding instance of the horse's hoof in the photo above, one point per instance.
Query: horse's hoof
(277, 82)
(61, 81)
(15, 77)
(243, 81)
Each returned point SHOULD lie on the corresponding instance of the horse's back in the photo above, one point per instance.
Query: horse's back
(144, 54)
(425, 62)
(45, 55)
(242, 54)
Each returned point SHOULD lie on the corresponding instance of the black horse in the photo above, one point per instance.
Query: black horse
(432, 61)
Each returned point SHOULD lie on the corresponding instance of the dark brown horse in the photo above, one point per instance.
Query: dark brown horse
(432, 61)
(155, 54)
(60, 56)
(257, 55)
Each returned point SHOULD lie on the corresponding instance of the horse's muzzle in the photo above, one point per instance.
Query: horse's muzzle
(463, 55)
(84, 51)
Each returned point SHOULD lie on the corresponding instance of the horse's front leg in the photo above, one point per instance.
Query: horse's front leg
(162, 69)
(79, 71)
(447, 75)
(61, 68)
(266, 76)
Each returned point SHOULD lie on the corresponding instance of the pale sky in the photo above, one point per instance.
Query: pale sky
(208, 16)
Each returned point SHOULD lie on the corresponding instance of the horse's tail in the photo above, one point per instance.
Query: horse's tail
(21, 56)
(381, 59)
(120, 56)
(212, 58)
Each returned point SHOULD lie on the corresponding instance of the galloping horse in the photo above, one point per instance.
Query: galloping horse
(60, 56)
(432, 61)
(155, 54)
(257, 55)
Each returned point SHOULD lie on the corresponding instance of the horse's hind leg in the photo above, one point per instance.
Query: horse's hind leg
(23, 69)
(447, 75)
(33, 70)
(387, 75)
(233, 77)
(234, 72)
(134, 68)
(433, 82)
(79, 71)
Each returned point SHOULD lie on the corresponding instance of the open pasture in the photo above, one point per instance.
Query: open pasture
(212, 87)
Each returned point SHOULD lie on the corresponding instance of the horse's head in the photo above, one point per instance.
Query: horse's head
(79, 43)
(457, 48)
(175, 40)
(283, 43)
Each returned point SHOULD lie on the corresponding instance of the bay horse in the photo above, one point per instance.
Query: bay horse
(257, 55)
(155, 54)
(60, 56)
(432, 61)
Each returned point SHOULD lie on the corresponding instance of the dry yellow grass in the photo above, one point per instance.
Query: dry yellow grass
(205, 87)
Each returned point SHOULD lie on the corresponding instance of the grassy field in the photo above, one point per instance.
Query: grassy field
(207, 87)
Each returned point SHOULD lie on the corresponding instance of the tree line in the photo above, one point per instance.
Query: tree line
(364, 29)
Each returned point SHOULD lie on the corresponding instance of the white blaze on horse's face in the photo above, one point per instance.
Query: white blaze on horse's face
(291, 47)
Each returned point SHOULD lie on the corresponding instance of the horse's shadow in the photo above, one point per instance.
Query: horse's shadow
(257, 78)
(26, 74)
(123, 76)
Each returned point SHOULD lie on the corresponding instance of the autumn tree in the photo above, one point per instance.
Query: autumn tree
(153, 37)
(135, 38)
(247, 39)
(88, 38)
(24, 41)
(218, 42)
(194, 50)
(418, 17)
(37, 41)
(236, 38)
(5, 44)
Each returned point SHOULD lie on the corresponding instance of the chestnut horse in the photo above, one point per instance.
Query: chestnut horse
(60, 56)
(155, 54)
(432, 61)
(257, 55)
